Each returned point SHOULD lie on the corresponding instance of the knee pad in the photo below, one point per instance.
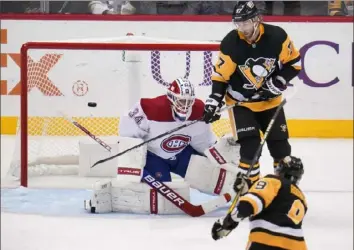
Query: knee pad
(249, 147)
(279, 149)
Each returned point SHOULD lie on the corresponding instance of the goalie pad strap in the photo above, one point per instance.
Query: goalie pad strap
(226, 150)
(217, 156)
(153, 202)
(221, 180)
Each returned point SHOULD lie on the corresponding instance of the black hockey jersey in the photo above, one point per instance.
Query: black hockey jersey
(276, 208)
(245, 67)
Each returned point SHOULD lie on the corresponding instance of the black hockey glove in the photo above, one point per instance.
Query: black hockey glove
(212, 108)
(223, 227)
(275, 85)
(271, 88)
(242, 183)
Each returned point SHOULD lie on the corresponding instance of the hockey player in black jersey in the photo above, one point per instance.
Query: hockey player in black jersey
(256, 62)
(275, 206)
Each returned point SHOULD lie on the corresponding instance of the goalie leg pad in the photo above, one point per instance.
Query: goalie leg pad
(131, 164)
(208, 178)
(226, 150)
(140, 198)
(101, 201)
(137, 198)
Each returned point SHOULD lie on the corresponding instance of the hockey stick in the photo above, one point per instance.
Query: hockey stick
(155, 138)
(180, 202)
(164, 190)
(87, 132)
(258, 152)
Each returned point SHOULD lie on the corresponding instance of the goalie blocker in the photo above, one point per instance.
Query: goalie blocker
(214, 174)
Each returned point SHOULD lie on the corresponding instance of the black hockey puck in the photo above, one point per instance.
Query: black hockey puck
(92, 104)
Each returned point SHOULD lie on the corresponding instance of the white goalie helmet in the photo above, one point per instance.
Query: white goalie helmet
(182, 96)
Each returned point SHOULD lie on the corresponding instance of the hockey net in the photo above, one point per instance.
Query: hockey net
(63, 77)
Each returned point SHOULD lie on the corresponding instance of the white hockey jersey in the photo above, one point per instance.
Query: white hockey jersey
(151, 117)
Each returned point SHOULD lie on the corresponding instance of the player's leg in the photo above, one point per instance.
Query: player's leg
(244, 123)
(158, 167)
(127, 192)
(278, 138)
(259, 246)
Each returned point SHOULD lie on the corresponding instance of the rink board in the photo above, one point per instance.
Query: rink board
(323, 106)
(297, 128)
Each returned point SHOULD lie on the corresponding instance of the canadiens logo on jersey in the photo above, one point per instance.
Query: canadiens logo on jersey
(256, 71)
(175, 143)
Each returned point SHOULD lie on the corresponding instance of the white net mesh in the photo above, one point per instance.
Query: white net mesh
(61, 80)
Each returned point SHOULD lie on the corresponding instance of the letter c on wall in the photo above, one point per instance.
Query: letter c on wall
(303, 76)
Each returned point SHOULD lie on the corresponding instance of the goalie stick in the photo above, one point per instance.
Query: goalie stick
(164, 190)
(256, 155)
(155, 138)
(183, 204)
(87, 132)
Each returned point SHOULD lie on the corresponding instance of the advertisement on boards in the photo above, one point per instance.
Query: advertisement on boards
(323, 88)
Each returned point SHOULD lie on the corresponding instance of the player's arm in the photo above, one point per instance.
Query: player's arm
(204, 138)
(290, 65)
(289, 58)
(259, 196)
(223, 69)
(135, 123)
(224, 150)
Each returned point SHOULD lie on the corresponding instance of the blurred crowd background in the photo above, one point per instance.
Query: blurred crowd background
(118, 7)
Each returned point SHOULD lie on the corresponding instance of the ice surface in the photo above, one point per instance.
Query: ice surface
(54, 219)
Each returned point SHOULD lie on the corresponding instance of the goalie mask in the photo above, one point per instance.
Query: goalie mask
(181, 95)
(246, 19)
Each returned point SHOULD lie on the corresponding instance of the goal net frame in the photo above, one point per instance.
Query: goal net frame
(82, 46)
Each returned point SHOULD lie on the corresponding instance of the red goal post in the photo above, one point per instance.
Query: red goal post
(41, 88)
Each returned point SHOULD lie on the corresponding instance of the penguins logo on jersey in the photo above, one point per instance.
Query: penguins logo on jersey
(256, 71)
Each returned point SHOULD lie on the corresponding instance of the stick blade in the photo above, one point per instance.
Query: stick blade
(99, 162)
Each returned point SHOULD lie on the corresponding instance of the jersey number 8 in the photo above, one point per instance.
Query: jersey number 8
(297, 212)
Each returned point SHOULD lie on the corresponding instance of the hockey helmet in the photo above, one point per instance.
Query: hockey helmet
(244, 10)
(290, 168)
(246, 16)
(182, 96)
